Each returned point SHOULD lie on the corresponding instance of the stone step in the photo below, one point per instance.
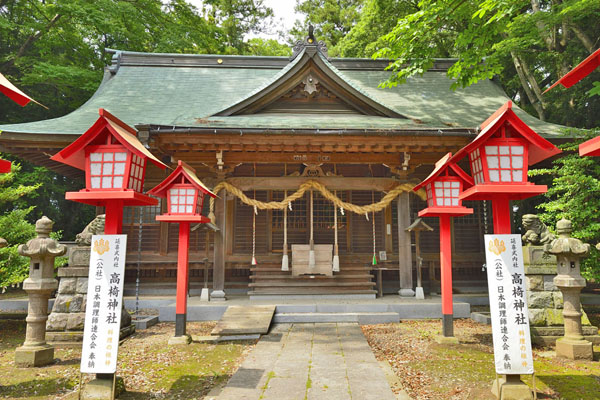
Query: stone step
(366, 318)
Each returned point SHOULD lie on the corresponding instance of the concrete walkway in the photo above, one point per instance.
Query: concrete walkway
(309, 361)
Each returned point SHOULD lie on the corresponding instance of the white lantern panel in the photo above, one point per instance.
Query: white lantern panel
(455, 184)
(516, 150)
(121, 156)
(517, 175)
(182, 209)
(447, 201)
(439, 201)
(491, 149)
(492, 162)
(120, 169)
(139, 172)
(479, 164)
(189, 199)
(505, 176)
(447, 192)
(188, 209)
(107, 169)
(504, 149)
(494, 176)
(108, 156)
(438, 184)
(95, 168)
(96, 183)
(174, 199)
(173, 208)
(430, 202)
(504, 162)
(517, 161)
(439, 192)
(118, 181)
(139, 186)
(96, 157)
(447, 184)
(107, 182)
(455, 202)
(454, 192)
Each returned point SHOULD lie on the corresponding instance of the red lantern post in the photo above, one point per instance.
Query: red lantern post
(499, 157)
(444, 186)
(114, 161)
(185, 195)
(5, 166)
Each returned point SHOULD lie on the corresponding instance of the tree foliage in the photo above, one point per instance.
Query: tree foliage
(574, 194)
(527, 44)
(55, 50)
(332, 19)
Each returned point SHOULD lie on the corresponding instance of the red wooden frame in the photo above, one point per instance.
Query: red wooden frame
(483, 157)
(103, 149)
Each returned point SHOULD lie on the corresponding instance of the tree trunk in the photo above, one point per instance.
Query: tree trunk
(530, 95)
(30, 40)
(583, 38)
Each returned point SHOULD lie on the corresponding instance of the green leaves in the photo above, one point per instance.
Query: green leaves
(595, 91)
(575, 195)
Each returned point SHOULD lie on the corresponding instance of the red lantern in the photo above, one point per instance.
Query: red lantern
(444, 187)
(185, 195)
(500, 155)
(114, 161)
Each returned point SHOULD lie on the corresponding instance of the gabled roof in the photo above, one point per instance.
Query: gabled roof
(74, 155)
(181, 91)
(582, 70)
(188, 173)
(441, 166)
(309, 62)
(539, 148)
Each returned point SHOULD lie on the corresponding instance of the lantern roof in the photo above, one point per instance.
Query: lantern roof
(419, 225)
(4, 166)
(74, 154)
(188, 173)
(539, 148)
(16, 95)
(582, 70)
(442, 165)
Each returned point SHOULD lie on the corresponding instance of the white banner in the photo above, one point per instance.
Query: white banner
(104, 304)
(508, 304)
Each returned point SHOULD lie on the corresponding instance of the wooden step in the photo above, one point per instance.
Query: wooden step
(308, 291)
(324, 277)
(309, 284)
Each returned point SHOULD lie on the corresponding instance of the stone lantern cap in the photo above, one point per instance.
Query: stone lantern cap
(43, 226)
(566, 245)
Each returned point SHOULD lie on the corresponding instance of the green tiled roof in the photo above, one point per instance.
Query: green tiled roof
(186, 91)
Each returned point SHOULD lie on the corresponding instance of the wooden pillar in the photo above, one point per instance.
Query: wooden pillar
(387, 229)
(404, 247)
(218, 293)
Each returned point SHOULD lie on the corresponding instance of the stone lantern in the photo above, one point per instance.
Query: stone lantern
(569, 251)
(39, 285)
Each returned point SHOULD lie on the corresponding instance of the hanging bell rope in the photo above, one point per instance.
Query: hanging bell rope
(254, 233)
(374, 237)
(310, 185)
(311, 253)
(285, 260)
(336, 257)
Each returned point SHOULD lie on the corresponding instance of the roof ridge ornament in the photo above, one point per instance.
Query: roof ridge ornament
(309, 42)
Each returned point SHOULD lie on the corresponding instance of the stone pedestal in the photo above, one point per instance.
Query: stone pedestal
(510, 387)
(101, 388)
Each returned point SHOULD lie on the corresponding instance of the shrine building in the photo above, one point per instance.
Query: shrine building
(267, 125)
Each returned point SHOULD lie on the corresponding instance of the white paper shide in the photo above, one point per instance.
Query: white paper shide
(508, 304)
(104, 304)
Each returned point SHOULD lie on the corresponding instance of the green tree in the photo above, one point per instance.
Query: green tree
(266, 47)
(527, 43)
(332, 19)
(14, 228)
(574, 195)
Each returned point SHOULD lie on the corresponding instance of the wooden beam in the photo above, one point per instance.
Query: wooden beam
(331, 182)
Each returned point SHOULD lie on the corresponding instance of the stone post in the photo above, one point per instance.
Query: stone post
(569, 251)
(39, 285)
